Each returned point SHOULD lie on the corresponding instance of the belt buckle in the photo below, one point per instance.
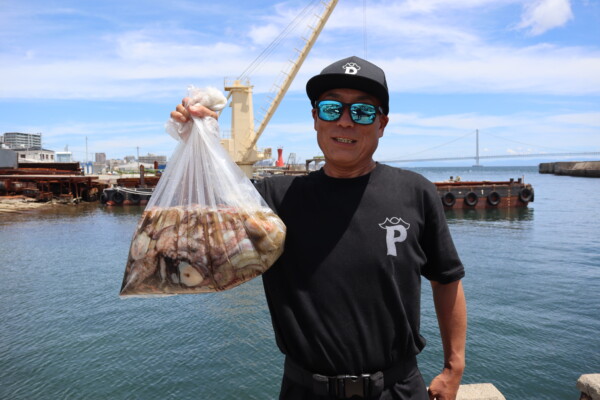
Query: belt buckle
(347, 386)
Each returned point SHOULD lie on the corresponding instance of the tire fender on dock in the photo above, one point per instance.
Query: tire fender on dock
(471, 199)
(135, 198)
(118, 197)
(448, 199)
(525, 195)
(493, 198)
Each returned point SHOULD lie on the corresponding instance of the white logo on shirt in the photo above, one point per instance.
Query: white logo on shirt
(396, 232)
(351, 68)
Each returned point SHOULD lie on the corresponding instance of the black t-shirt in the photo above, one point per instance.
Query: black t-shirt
(345, 295)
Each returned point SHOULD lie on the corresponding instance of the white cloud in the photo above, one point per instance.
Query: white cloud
(427, 54)
(540, 16)
(263, 35)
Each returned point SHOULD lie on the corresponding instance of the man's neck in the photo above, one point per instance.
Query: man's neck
(346, 173)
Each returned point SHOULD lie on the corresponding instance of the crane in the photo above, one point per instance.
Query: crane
(242, 144)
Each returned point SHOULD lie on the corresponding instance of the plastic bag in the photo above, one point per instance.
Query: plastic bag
(205, 228)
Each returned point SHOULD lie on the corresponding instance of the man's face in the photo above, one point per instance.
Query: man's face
(346, 145)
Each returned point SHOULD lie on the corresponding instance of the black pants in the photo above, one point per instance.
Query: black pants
(410, 388)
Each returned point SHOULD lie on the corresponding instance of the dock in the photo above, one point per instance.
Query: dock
(587, 169)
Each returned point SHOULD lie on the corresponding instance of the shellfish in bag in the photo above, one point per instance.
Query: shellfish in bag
(205, 228)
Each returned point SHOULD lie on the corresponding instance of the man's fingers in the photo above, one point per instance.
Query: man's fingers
(183, 113)
(201, 111)
(180, 114)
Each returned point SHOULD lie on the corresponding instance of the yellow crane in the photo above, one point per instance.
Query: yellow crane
(242, 144)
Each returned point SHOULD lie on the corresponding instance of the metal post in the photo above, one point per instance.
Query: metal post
(477, 147)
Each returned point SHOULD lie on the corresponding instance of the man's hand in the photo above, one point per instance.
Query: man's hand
(451, 310)
(445, 385)
(183, 113)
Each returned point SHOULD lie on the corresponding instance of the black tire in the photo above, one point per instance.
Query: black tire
(471, 199)
(493, 198)
(118, 197)
(525, 195)
(448, 199)
(135, 198)
(103, 198)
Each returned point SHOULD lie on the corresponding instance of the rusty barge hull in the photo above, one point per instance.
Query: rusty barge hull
(484, 194)
(47, 187)
(48, 181)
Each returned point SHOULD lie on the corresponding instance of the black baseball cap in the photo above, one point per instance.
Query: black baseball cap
(351, 73)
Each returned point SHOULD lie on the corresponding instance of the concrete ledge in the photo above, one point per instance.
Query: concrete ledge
(590, 169)
(479, 391)
(589, 385)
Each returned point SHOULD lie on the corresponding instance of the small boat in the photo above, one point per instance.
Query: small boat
(121, 195)
(130, 191)
(455, 193)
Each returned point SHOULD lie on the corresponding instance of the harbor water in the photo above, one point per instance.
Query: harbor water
(532, 285)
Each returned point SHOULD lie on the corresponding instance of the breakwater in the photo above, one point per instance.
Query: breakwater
(590, 169)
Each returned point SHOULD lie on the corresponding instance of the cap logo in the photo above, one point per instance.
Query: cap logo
(351, 68)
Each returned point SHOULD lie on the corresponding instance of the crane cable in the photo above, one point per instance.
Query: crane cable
(365, 27)
(261, 58)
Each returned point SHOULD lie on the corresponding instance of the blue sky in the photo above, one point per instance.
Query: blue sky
(525, 73)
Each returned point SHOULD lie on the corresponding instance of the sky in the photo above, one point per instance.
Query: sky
(103, 76)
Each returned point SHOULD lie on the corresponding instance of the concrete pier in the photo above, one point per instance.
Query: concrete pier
(589, 386)
(479, 391)
(590, 169)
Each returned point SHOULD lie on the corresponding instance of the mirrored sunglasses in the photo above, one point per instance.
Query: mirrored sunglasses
(361, 113)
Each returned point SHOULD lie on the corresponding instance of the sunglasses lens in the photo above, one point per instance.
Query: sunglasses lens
(330, 110)
(363, 114)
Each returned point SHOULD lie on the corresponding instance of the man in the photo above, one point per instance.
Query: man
(344, 296)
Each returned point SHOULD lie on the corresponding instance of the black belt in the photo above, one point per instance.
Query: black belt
(348, 386)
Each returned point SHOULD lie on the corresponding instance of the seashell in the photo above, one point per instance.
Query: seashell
(197, 249)
(139, 270)
(188, 275)
(140, 246)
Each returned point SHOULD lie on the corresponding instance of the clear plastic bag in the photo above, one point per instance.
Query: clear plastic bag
(205, 228)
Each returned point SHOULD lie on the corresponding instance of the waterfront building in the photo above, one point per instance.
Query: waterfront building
(101, 158)
(64, 156)
(151, 158)
(35, 154)
(19, 140)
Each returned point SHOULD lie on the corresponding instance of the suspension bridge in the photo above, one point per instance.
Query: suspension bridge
(477, 158)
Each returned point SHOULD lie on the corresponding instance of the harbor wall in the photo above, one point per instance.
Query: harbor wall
(587, 384)
(589, 169)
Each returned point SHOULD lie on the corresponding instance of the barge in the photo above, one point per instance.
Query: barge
(130, 191)
(121, 195)
(45, 182)
(484, 194)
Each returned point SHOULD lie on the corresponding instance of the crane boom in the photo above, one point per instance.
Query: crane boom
(293, 72)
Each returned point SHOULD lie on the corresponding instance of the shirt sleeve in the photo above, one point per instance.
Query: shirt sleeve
(443, 263)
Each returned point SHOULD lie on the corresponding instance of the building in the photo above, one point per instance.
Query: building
(35, 154)
(151, 158)
(8, 159)
(64, 156)
(18, 140)
(101, 158)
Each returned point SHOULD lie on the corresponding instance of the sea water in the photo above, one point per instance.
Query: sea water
(532, 285)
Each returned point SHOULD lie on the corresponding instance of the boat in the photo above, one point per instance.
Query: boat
(130, 191)
(121, 195)
(455, 193)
